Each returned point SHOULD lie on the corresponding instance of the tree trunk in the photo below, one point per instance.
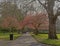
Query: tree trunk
(52, 29)
(36, 32)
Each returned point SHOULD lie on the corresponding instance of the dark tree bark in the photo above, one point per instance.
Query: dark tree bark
(52, 19)
(52, 29)
(36, 32)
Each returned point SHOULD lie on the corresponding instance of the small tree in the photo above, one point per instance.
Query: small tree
(10, 22)
(34, 21)
(37, 21)
(11, 14)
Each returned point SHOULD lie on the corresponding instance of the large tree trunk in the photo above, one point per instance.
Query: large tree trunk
(52, 29)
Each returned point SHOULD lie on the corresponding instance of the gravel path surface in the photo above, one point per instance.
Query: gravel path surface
(24, 40)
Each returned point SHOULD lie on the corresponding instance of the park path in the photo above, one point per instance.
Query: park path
(24, 40)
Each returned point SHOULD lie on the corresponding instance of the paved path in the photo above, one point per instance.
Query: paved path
(24, 40)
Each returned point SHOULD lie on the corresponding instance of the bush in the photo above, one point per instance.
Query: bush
(4, 30)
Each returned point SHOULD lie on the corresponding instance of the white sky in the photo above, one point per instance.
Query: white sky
(36, 4)
(1, 0)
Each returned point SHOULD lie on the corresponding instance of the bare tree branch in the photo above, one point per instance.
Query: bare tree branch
(58, 0)
(56, 15)
(42, 4)
(30, 2)
(58, 12)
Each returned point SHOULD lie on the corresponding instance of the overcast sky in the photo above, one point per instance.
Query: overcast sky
(36, 4)
(1, 0)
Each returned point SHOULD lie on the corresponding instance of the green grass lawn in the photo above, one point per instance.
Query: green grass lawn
(5, 36)
(43, 38)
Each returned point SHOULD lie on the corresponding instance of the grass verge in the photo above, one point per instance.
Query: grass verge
(43, 38)
(6, 36)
